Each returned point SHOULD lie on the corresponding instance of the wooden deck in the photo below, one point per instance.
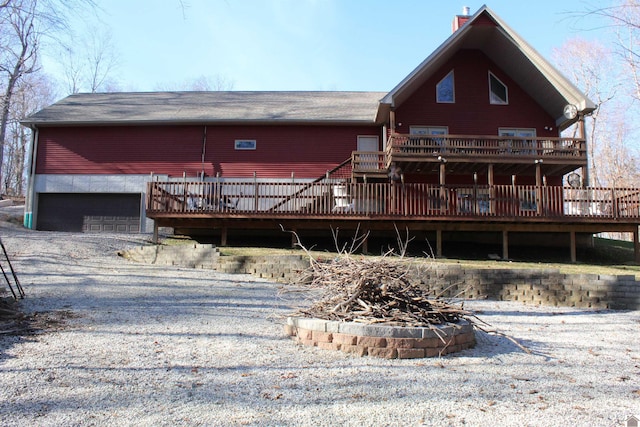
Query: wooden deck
(340, 199)
(253, 204)
(469, 154)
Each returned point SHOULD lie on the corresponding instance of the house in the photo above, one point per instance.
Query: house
(469, 142)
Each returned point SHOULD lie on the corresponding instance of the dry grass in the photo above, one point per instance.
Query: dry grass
(601, 259)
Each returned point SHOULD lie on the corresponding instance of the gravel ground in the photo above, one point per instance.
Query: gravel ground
(131, 344)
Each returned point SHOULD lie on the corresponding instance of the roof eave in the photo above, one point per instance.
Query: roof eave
(69, 123)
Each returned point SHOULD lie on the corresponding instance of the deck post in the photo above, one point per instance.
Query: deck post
(155, 232)
(636, 245)
(255, 191)
(223, 236)
(294, 241)
(539, 186)
(443, 173)
(492, 190)
(572, 244)
(505, 244)
(439, 243)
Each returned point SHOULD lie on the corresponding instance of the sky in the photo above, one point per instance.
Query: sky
(345, 45)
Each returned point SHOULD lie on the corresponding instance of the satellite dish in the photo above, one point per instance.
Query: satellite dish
(570, 111)
(574, 180)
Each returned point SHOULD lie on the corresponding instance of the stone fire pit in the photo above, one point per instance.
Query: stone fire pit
(385, 341)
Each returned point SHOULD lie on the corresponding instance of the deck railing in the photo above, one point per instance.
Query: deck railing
(464, 145)
(368, 161)
(384, 200)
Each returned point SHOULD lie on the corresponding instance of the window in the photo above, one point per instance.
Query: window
(524, 132)
(421, 137)
(520, 144)
(245, 144)
(428, 130)
(498, 93)
(445, 89)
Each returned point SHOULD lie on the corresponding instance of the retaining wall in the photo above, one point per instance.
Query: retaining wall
(529, 286)
(280, 268)
(541, 287)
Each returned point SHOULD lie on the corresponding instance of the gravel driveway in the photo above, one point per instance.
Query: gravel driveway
(131, 344)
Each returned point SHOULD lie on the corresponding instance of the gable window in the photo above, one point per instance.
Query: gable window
(498, 93)
(445, 89)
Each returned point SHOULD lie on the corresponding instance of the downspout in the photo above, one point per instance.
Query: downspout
(29, 205)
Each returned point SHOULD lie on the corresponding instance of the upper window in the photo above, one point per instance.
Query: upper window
(498, 93)
(428, 130)
(445, 91)
(519, 132)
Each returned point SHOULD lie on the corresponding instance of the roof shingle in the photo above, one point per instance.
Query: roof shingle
(210, 107)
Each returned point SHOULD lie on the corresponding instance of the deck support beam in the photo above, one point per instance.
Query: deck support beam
(505, 244)
(155, 232)
(636, 245)
(439, 243)
(492, 190)
(444, 205)
(223, 236)
(572, 244)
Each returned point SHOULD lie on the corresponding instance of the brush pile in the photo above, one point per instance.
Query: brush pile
(375, 290)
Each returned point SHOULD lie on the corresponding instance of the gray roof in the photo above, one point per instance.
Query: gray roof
(211, 107)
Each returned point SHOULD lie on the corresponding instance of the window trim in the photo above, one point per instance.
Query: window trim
(453, 89)
(506, 91)
(516, 131)
(429, 129)
(245, 144)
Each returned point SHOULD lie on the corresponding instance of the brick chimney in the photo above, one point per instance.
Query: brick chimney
(459, 20)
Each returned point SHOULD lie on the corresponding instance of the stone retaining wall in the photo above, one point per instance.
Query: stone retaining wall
(280, 268)
(381, 341)
(541, 287)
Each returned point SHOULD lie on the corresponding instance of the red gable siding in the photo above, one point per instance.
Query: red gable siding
(307, 151)
(472, 114)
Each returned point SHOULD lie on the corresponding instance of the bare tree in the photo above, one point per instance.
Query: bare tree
(88, 66)
(23, 26)
(202, 83)
(590, 66)
(19, 54)
(32, 93)
(618, 160)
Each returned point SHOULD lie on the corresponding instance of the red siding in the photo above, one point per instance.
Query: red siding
(308, 151)
(472, 114)
(119, 150)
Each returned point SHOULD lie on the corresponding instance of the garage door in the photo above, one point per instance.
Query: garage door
(90, 213)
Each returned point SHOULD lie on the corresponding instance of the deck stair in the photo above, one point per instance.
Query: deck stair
(338, 174)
